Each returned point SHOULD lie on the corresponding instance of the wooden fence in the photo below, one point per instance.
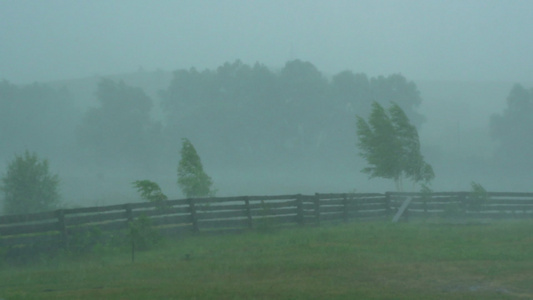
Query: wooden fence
(175, 217)
(465, 205)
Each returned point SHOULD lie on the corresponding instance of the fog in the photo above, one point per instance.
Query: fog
(463, 56)
(437, 40)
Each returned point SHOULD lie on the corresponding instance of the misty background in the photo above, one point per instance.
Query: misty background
(267, 91)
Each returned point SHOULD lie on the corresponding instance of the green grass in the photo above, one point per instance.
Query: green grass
(373, 260)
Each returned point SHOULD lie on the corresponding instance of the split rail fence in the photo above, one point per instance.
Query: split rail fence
(220, 214)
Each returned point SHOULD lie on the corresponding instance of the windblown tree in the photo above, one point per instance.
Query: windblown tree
(28, 185)
(390, 145)
(149, 191)
(512, 129)
(192, 179)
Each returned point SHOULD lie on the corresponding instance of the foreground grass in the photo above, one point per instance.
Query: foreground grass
(352, 261)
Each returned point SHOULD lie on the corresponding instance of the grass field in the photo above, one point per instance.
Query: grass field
(374, 260)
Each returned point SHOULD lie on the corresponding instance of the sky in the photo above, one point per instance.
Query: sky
(465, 40)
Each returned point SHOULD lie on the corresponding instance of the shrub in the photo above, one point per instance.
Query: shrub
(142, 235)
(29, 186)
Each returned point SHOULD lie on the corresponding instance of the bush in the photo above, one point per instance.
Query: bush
(29, 186)
(142, 234)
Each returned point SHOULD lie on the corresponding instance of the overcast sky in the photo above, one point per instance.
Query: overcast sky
(451, 40)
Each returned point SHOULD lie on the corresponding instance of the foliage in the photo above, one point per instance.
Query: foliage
(149, 190)
(85, 241)
(192, 179)
(390, 145)
(241, 100)
(142, 234)
(121, 127)
(512, 129)
(478, 196)
(29, 186)
(426, 191)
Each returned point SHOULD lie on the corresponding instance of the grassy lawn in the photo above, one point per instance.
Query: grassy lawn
(374, 260)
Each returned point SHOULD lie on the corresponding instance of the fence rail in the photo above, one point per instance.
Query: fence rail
(174, 217)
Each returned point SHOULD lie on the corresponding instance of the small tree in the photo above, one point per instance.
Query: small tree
(142, 235)
(378, 145)
(192, 179)
(478, 196)
(29, 186)
(149, 190)
(391, 147)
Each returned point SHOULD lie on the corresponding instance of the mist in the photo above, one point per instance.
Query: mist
(292, 134)
(437, 40)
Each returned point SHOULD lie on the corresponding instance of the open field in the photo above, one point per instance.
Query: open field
(366, 260)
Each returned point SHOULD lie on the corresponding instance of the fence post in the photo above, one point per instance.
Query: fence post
(194, 217)
(299, 209)
(425, 202)
(129, 215)
(357, 203)
(463, 200)
(388, 208)
(248, 212)
(129, 223)
(62, 228)
(317, 208)
(344, 208)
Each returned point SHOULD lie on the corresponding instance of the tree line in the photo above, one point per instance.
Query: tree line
(243, 111)
(236, 114)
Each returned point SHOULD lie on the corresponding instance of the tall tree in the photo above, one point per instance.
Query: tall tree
(390, 145)
(412, 159)
(405, 93)
(192, 179)
(120, 128)
(29, 186)
(512, 129)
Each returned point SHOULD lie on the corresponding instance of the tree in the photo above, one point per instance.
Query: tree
(29, 186)
(391, 147)
(478, 196)
(192, 179)
(150, 191)
(404, 92)
(121, 127)
(411, 158)
(512, 129)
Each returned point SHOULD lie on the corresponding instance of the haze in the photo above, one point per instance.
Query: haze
(463, 56)
(430, 40)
